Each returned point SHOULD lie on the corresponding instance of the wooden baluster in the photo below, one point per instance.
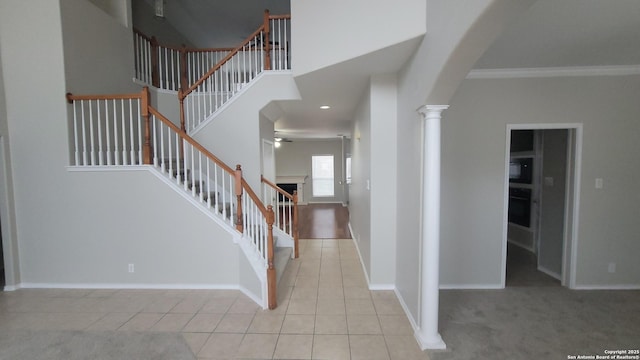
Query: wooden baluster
(295, 223)
(155, 72)
(271, 270)
(183, 68)
(144, 104)
(238, 179)
(265, 41)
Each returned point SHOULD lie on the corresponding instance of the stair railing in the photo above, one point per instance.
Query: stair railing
(286, 209)
(110, 130)
(267, 48)
(125, 130)
(169, 67)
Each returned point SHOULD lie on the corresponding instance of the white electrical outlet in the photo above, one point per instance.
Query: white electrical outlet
(612, 267)
(132, 268)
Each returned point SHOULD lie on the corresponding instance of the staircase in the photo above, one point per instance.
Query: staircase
(124, 131)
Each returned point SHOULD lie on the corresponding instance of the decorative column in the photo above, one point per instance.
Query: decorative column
(430, 265)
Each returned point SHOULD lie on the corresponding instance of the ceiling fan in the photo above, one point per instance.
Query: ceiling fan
(279, 140)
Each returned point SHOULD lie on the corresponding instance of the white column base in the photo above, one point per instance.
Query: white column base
(433, 342)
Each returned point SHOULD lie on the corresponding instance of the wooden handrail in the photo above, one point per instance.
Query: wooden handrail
(272, 287)
(254, 197)
(276, 187)
(220, 63)
(71, 98)
(190, 140)
(280, 17)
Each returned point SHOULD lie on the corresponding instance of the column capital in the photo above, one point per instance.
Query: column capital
(430, 110)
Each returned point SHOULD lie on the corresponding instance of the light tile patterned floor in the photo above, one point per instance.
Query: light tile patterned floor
(325, 311)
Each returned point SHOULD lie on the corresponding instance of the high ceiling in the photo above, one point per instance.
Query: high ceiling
(562, 33)
(552, 33)
(219, 23)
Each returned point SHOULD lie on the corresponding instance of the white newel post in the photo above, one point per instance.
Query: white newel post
(428, 335)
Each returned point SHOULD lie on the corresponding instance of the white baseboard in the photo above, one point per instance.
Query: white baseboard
(414, 325)
(553, 274)
(471, 287)
(382, 287)
(11, 288)
(435, 343)
(521, 246)
(607, 287)
(252, 296)
(127, 286)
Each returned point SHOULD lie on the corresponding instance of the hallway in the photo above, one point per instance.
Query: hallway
(324, 221)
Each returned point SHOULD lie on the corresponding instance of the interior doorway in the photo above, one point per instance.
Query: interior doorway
(2, 276)
(541, 194)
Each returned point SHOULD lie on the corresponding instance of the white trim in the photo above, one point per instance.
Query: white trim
(236, 96)
(252, 296)
(616, 70)
(364, 269)
(108, 168)
(553, 274)
(406, 311)
(8, 243)
(471, 287)
(607, 287)
(434, 343)
(127, 286)
(11, 288)
(527, 248)
(381, 287)
(570, 258)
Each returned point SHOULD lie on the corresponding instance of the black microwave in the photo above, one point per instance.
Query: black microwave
(521, 170)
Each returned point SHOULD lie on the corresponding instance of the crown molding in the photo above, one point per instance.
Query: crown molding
(618, 70)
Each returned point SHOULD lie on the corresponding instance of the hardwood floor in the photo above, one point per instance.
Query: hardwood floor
(323, 221)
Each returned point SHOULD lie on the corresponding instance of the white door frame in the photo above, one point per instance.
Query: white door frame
(572, 198)
(10, 268)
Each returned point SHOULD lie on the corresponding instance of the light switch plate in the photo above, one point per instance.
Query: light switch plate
(599, 183)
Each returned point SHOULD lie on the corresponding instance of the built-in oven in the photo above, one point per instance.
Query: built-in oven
(520, 206)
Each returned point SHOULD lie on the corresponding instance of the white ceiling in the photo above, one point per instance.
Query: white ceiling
(562, 33)
(552, 33)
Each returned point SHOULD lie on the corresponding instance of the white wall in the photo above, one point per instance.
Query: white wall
(9, 243)
(234, 134)
(313, 47)
(372, 203)
(474, 138)
(118, 9)
(83, 228)
(457, 35)
(294, 159)
(359, 195)
(144, 19)
(383, 180)
(108, 66)
(552, 200)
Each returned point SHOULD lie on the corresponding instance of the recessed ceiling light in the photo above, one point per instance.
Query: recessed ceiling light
(325, 107)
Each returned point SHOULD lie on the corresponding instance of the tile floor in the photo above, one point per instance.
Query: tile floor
(325, 312)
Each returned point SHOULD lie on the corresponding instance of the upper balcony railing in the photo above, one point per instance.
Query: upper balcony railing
(174, 68)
